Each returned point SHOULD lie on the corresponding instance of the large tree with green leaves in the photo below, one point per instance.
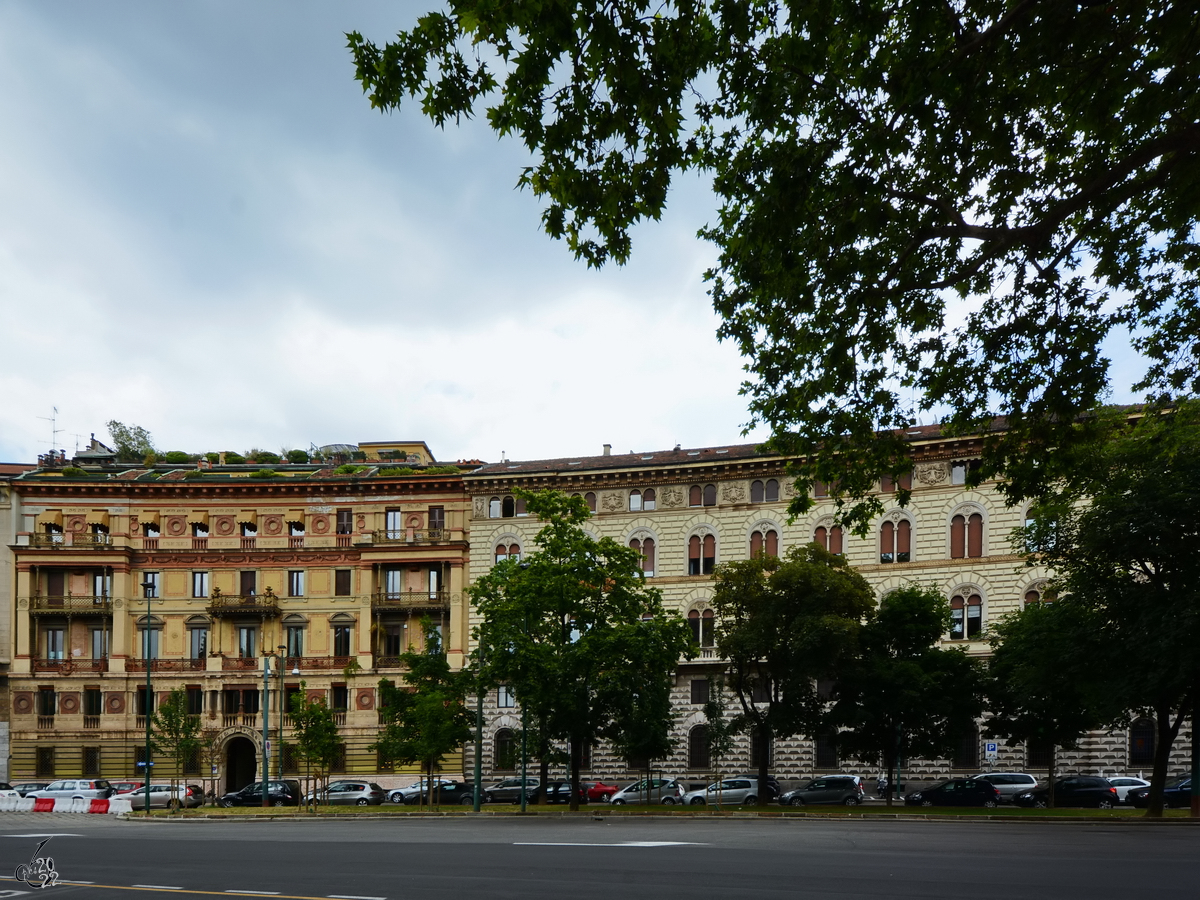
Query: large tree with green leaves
(176, 732)
(1050, 677)
(315, 735)
(578, 636)
(923, 207)
(1121, 531)
(132, 442)
(905, 695)
(427, 718)
(783, 625)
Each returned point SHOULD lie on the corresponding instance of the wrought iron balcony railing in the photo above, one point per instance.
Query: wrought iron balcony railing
(235, 604)
(77, 605)
(69, 666)
(165, 665)
(410, 536)
(412, 599)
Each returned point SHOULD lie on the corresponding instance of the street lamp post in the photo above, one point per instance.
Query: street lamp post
(147, 591)
(266, 728)
(479, 734)
(282, 705)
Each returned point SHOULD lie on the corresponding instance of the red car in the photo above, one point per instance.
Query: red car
(598, 791)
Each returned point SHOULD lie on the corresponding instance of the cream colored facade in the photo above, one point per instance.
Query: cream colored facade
(330, 573)
(984, 574)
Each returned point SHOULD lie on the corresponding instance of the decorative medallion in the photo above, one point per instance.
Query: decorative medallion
(114, 703)
(671, 497)
(22, 702)
(223, 526)
(612, 502)
(176, 526)
(734, 492)
(68, 703)
(319, 524)
(366, 698)
(272, 525)
(932, 473)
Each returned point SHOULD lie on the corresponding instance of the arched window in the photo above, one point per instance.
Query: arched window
(698, 756)
(1038, 594)
(696, 495)
(829, 537)
(507, 551)
(895, 541)
(590, 499)
(757, 492)
(966, 616)
(702, 627)
(710, 495)
(645, 546)
(772, 491)
(494, 508)
(764, 541)
(1141, 742)
(702, 554)
(505, 759)
(888, 485)
(966, 536)
(649, 500)
(635, 501)
(509, 508)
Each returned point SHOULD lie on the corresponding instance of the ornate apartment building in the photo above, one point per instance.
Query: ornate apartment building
(205, 575)
(687, 511)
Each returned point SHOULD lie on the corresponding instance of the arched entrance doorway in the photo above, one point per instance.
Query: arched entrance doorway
(241, 763)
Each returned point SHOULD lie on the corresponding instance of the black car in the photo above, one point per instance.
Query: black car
(1077, 790)
(557, 792)
(956, 792)
(456, 792)
(279, 793)
(1175, 793)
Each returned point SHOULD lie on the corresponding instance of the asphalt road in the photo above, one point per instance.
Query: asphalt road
(579, 859)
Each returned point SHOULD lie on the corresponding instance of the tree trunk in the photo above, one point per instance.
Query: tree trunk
(1165, 732)
(576, 760)
(764, 764)
(1050, 777)
(889, 762)
(544, 776)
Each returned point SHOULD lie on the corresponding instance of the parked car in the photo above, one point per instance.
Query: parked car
(846, 790)
(667, 791)
(7, 790)
(26, 787)
(162, 796)
(279, 793)
(957, 792)
(349, 793)
(557, 792)
(1076, 790)
(598, 791)
(462, 792)
(1175, 793)
(402, 795)
(1126, 783)
(728, 791)
(1009, 783)
(509, 790)
(121, 787)
(75, 789)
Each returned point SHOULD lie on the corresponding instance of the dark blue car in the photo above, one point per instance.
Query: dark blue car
(1175, 793)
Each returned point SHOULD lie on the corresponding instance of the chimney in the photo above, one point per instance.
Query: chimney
(608, 449)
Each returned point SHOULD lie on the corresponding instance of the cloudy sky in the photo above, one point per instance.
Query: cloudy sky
(205, 230)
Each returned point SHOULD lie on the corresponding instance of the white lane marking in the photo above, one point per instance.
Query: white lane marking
(56, 834)
(158, 887)
(69, 881)
(352, 897)
(621, 844)
(255, 893)
(12, 893)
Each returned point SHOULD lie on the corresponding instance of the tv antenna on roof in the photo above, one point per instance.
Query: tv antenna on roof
(54, 429)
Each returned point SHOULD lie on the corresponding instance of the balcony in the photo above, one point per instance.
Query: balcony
(199, 543)
(411, 536)
(240, 663)
(94, 541)
(249, 543)
(54, 541)
(237, 605)
(165, 665)
(343, 540)
(91, 721)
(69, 666)
(387, 662)
(339, 718)
(243, 718)
(45, 723)
(150, 543)
(75, 605)
(412, 599)
(295, 542)
(317, 662)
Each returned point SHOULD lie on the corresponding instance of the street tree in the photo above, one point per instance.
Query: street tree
(176, 733)
(904, 694)
(427, 717)
(578, 637)
(1049, 677)
(719, 731)
(923, 208)
(1121, 532)
(315, 736)
(783, 625)
(132, 442)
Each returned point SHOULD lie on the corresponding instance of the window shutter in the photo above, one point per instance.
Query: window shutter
(958, 527)
(756, 492)
(975, 535)
(835, 539)
(648, 552)
(887, 542)
(756, 544)
(772, 544)
(772, 490)
(903, 536)
(694, 548)
(695, 496)
(821, 536)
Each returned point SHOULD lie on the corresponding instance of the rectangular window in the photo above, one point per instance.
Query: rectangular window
(102, 584)
(393, 583)
(296, 583)
(45, 701)
(149, 585)
(338, 764)
(291, 761)
(197, 643)
(139, 705)
(505, 698)
(191, 761)
(93, 702)
(437, 518)
(250, 701)
(53, 643)
(248, 583)
(247, 641)
(295, 529)
(345, 521)
(249, 529)
(45, 762)
(199, 530)
(958, 472)
(393, 639)
(98, 641)
(148, 639)
(700, 690)
(91, 760)
(340, 697)
(195, 700)
(341, 640)
(341, 583)
(295, 640)
(394, 524)
(199, 584)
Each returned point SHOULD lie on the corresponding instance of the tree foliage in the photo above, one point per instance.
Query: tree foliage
(1121, 532)
(783, 625)
(175, 732)
(132, 442)
(923, 206)
(428, 717)
(586, 647)
(905, 695)
(315, 735)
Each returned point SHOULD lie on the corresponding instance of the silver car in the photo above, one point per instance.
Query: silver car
(655, 790)
(730, 790)
(75, 789)
(349, 793)
(163, 797)
(404, 794)
(1009, 784)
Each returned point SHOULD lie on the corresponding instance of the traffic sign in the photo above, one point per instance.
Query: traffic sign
(991, 749)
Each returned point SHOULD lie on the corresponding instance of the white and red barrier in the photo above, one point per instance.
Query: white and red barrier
(114, 807)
